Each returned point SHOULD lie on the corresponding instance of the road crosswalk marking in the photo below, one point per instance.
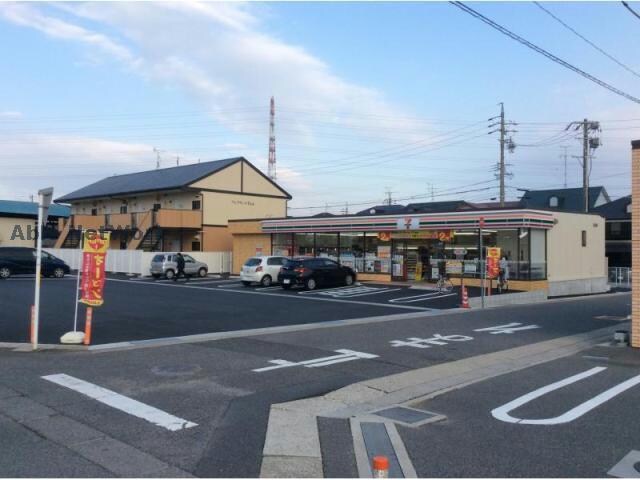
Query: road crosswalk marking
(122, 403)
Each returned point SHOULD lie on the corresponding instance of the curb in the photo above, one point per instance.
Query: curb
(292, 442)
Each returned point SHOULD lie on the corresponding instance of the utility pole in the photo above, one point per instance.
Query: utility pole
(564, 155)
(501, 167)
(157, 152)
(388, 200)
(271, 168)
(588, 145)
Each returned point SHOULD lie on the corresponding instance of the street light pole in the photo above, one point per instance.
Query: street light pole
(44, 200)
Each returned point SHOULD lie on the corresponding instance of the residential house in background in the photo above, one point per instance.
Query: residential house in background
(564, 199)
(18, 222)
(179, 208)
(617, 231)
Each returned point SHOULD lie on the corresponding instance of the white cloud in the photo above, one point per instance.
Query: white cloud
(10, 114)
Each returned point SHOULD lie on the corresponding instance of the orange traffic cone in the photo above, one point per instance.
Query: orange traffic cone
(380, 467)
(465, 298)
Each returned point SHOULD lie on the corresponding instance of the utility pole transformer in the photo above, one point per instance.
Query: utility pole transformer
(271, 172)
(588, 144)
(501, 167)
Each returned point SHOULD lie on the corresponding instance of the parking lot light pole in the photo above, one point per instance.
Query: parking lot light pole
(44, 200)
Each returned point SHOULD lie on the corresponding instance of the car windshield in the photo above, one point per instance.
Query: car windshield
(291, 264)
(252, 262)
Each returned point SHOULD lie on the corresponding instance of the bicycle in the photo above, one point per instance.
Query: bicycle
(444, 285)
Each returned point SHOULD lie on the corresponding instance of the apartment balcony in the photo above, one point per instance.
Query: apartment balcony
(163, 218)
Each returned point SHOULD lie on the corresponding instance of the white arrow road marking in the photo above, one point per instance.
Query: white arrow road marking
(122, 403)
(508, 329)
(345, 356)
(502, 413)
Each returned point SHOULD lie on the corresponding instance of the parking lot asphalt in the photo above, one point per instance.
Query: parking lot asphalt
(227, 386)
(590, 442)
(144, 308)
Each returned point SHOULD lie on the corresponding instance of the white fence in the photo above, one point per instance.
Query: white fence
(138, 262)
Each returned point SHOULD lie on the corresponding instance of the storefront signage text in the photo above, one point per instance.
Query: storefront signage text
(94, 256)
(440, 235)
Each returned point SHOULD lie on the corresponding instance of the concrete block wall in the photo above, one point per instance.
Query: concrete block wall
(635, 243)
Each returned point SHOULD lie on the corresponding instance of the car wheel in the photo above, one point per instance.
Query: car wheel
(348, 280)
(245, 283)
(266, 281)
(58, 273)
(310, 284)
(5, 272)
(169, 274)
(202, 272)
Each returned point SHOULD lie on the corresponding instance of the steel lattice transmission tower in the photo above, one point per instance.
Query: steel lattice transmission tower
(272, 141)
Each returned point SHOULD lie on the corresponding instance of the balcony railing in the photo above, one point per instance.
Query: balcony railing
(164, 218)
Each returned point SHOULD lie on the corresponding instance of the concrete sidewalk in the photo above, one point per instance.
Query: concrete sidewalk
(292, 445)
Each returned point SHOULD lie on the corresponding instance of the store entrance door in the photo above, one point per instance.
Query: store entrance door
(398, 260)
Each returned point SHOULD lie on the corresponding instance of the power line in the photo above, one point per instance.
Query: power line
(542, 51)
(630, 9)
(610, 57)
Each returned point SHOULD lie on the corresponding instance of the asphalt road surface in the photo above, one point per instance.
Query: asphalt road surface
(587, 445)
(227, 386)
(142, 309)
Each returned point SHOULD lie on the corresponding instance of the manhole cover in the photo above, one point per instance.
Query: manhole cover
(408, 416)
(176, 370)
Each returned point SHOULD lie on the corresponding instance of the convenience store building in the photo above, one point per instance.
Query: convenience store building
(563, 253)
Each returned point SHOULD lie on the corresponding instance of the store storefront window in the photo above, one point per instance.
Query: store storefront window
(327, 245)
(303, 244)
(377, 254)
(538, 254)
(282, 244)
(352, 250)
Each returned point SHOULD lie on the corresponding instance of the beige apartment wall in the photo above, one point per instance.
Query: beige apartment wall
(218, 208)
(253, 182)
(245, 246)
(567, 259)
(7, 227)
(216, 239)
(137, 203)
(226, 179)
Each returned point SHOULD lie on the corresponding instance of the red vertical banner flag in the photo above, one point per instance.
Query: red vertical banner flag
(493, 262)
(94, 257)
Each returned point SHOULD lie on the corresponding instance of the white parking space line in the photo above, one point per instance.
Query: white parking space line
(234, 289)
(122, 403)
(421, 298)
(348, 292)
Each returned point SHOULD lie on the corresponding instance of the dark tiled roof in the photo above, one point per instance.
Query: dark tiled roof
(30, 209)
(616, 210)
(438, 207)
(569, 199)
(382, 210)
(149, 181)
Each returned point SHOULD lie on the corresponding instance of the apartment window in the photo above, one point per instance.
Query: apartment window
(553, 202)
(195, 246)
(195, 205)
(94, 212)
(156, 207)
(584, 238)
(123, 208)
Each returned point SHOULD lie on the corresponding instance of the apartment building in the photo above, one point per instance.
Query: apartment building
(183, 208)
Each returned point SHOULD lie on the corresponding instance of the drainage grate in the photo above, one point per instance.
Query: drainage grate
(409, 416)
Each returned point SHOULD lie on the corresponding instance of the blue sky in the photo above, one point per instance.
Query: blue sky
(369, 96)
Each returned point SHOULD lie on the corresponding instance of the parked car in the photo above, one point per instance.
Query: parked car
(164, 265)
(315, 272)
(263, 270)
(22, 260)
